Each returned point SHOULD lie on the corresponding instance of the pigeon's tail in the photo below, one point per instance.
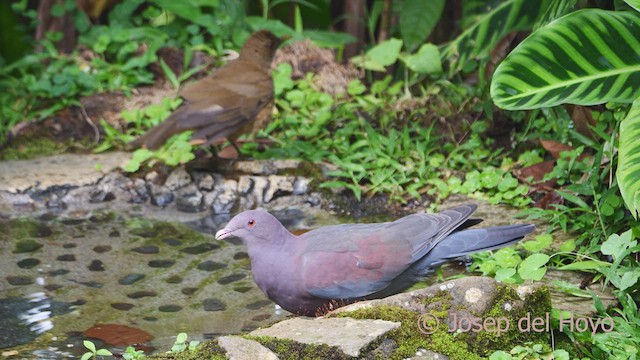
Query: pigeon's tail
(457, 244)
(467, 242)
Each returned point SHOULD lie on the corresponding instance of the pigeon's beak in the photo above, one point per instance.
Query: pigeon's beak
(223, 234)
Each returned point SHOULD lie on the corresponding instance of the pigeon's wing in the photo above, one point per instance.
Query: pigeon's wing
(353, 261)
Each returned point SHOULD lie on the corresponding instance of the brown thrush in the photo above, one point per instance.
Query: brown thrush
(227, 103)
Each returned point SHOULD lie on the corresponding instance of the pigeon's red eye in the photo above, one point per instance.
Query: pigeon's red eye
(251, 223)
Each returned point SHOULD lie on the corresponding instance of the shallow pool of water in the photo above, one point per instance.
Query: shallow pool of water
(64, 275)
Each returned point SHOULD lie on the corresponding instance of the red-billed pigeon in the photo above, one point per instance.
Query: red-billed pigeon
(336, 265)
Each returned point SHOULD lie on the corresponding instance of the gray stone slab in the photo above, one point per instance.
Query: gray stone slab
(349, 335)
(65, 169)
(238, 348)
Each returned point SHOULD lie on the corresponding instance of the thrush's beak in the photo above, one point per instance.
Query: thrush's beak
(223, 234)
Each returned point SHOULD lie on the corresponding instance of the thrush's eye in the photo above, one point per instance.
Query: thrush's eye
(251, 223)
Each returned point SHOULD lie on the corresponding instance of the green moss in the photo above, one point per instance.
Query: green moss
(408, 335)
(537, 306)
(462, 345)
(209, 350)
(23, 228)
(26, 246)
(157, 231)
(289, 349)
(33, 148)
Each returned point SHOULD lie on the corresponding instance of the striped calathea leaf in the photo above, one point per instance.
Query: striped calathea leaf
(588, 57)
(628, 173)
(485, 24)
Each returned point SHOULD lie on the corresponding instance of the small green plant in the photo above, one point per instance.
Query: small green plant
(181, 344)
(508, 266)
(531, 352)
(132, 354)
(93, 353)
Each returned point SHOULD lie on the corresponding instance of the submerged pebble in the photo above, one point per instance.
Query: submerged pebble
(141, 294)
(122, 306)
(213, 305)
(231, 278)
(150, 249)
(211, 265)
(161, 263)
(20, 280)
(130, 279)
(101, 249)
(28, 263)
(200, 248)
(96, 265)
(169, 308)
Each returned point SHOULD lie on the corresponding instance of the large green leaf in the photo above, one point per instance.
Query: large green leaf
(492, 25)
(634, 4)
(556, 9)
(629, 159)
(379, 56)
(588, 57)
(416, 20)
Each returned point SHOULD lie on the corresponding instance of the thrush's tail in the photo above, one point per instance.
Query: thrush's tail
(159, 134)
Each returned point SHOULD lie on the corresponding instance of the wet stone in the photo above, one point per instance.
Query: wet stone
(114, 233)
(213, 305)
(242, 289)
(189, 199)
(240, 255)
(73, 221)
(141, 294)
(101, 249)
(161, 263)
(66, 257)
(48, 216)
(170, 308)
(69, 245)
(258, 304)
(44, 231)
(122, 306)
(189, 290)
(145, 233)
(91, 284)
(28, 263)
(172, 242)
(58, 272)
(249, 327)
(231, 278)
(19, 280)
(200, 248)
(261, 317)
(26, 246)
(177, 179)
(160, 195)
(100, 196)
(96, 265)
(174, 279)
(103, 217)
(130, 279)
(211, 265)
(150, 249)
